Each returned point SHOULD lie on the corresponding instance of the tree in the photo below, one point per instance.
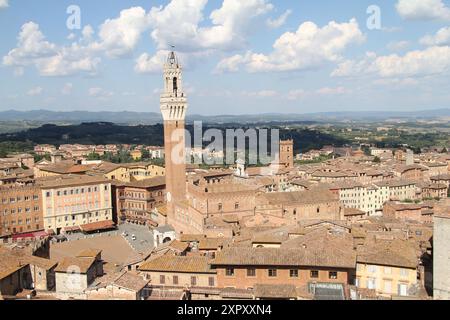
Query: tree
(145, 154)
(377, 160)
(93, 157)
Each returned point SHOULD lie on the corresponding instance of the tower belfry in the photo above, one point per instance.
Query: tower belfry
(174, 105)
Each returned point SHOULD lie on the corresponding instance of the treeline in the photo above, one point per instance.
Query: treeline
(102, 133)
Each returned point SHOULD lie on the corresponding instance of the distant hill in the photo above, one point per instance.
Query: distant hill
(148, 118)
(100, 133)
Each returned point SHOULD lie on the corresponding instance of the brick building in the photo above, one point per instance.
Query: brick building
(244, 268)
(20, 209)
(136, 201)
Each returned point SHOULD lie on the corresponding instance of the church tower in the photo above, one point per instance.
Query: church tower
(173, 108)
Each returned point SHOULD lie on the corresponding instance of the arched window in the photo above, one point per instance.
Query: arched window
(175, 85)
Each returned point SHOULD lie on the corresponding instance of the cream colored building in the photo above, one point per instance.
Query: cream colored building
(389, 270)
(73, 201)
(371, 198)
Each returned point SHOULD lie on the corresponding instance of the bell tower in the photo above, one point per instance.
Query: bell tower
(173, 108)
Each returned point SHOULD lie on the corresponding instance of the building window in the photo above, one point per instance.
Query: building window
(387, 270)
(314, 274)
(211, 282)
(293, 273)
(175, 280)
(193, 281)
(403, 272)
(371, 284)
(372, 269)
(251, 273)
(272, 273)
(162, 279)
(220, 207)
(333, 275)
(229, 272)
(236, 206)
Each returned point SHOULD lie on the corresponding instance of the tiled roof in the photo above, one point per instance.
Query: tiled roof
(130, 281)
(69, 264)
(171, 263)
(212, 243)
(396, 253)
(89, 253)
(301, 197)
(283, 257)
(277, 291)
(70, 180)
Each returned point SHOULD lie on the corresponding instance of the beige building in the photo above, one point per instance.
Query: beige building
(179, 271)
(74, 201)
(390, 269)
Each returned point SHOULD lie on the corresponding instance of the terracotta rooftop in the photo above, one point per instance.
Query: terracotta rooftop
(70, 180)
(171, 263)
(89, 253)
(130, 281)
(301, 197)
(278, 291)
(69, 264)
(397, 253)
(148, 183)
(243, 256)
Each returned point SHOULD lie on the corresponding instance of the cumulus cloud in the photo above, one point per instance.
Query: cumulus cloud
(147, 63)
(4, 4)
(229, 24)
(100, 93)
(37, 91)
(333, 91)
(430, 61)
(309, 47)
(423, 10)
(51, 60)
(118, 37)
(179, 23)
(441, 38)
(280, 21)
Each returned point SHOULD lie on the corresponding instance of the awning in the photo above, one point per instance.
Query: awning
(98, 226)
(39, 234)
(72, 229)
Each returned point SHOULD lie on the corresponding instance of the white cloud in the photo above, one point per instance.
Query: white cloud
(67, 89)
(297, 94)
(50, 60)
(333, 91)
(441, 38)
(309, 47)
(150, 64)
(181, 23)
(100, 93)
(4, 4)
(37, 91)
(423, 10)
(229, 24)
(431, 61)
(280, 21)
(260, 94)
(118, 37)
(71, 36)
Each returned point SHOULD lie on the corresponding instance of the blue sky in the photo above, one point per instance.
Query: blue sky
(240, 57)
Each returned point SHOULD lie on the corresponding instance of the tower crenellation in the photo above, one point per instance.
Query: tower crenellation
(173, 99)
(173, 108)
